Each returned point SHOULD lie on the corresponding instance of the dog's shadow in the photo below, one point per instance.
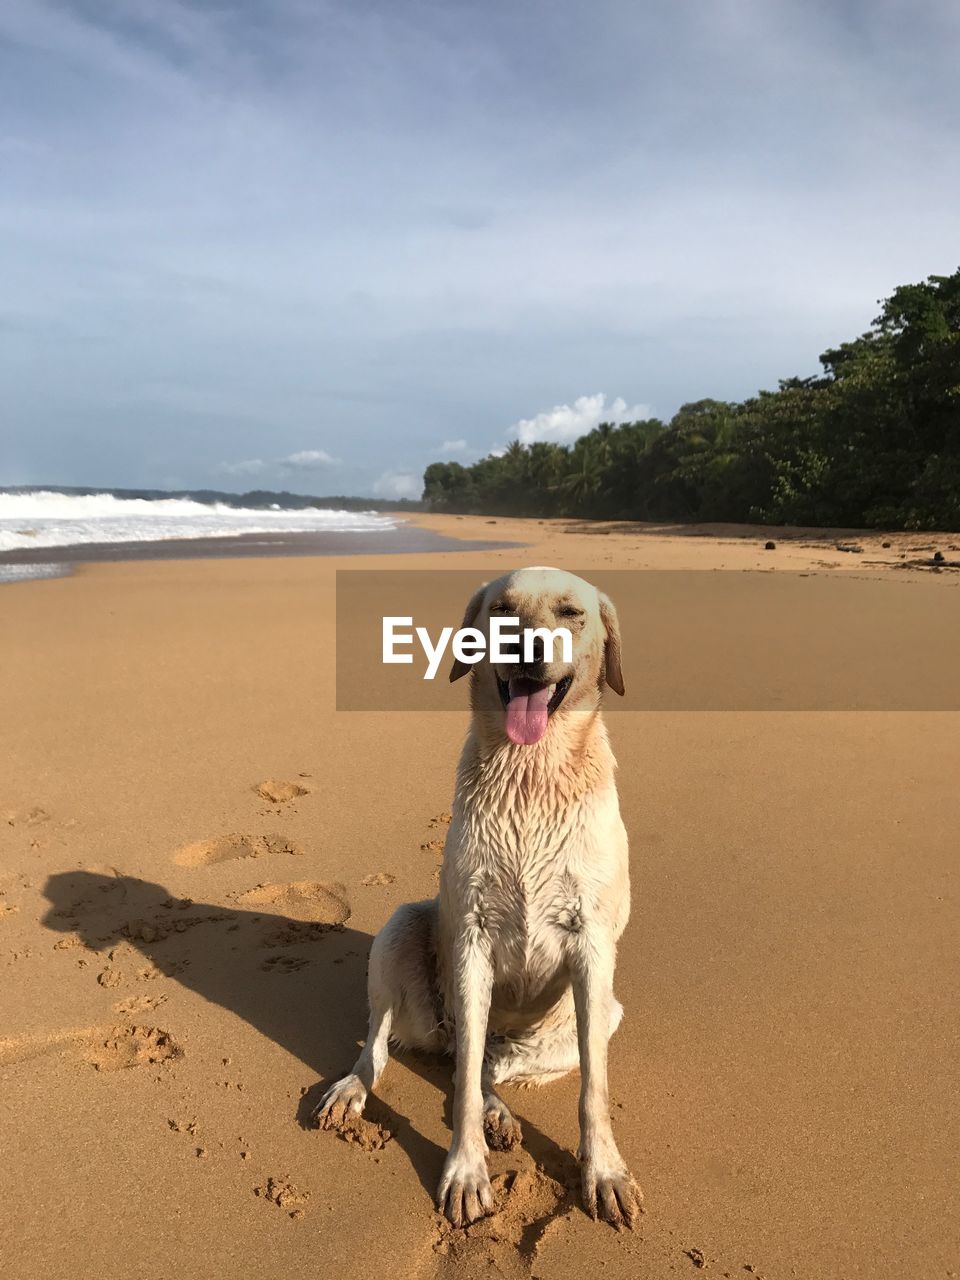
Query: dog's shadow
(301, 985)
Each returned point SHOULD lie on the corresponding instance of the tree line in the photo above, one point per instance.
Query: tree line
(873, 441)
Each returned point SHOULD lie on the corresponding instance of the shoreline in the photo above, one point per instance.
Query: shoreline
(404, 539)
(421, 534)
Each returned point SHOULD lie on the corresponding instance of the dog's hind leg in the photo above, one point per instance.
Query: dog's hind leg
(401, 989)
(546, 1054)
(536, 1059)
(346, 1099)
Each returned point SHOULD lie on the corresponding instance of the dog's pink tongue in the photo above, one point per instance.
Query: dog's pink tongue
(527, 714)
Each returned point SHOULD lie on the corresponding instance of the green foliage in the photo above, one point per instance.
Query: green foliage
(874, 441)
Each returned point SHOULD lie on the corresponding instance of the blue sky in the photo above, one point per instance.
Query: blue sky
(316, 246)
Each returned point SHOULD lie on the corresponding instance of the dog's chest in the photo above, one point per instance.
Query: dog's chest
(528, 899)
(527, 868)
(530, 923)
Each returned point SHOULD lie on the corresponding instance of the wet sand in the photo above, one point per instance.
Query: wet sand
(196, 849)
(404, 540)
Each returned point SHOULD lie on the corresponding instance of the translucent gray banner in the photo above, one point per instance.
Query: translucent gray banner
(692, 640)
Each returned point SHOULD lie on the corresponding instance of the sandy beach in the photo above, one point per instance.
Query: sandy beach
(196, 849)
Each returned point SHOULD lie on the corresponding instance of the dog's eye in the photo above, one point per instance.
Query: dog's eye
(500, 607)
(569, 611)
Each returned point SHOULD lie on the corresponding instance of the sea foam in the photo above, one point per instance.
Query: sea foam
(49, 519)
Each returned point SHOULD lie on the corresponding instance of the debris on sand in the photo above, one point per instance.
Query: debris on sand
(278, 792)
(282, 1193)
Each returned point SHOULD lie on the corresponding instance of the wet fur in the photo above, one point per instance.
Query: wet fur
(511, 968)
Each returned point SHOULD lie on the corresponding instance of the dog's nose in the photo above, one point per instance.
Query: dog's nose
(536, 650)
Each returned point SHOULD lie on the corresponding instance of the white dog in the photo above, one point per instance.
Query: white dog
(511, 968)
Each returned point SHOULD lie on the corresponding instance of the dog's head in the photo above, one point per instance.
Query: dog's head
(527, 693)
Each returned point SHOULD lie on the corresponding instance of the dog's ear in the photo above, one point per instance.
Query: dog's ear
(613, 671)
(469, 618)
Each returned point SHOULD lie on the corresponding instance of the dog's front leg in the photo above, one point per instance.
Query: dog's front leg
(464, 1194)
(606, 1184)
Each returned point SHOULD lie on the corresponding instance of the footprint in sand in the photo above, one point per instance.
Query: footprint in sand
(204, 853)
(311, 908)
(114, 977)
(530, 1206)
(26, 817)
(138, 1004)
(125, 1047)
(378, 878)
(277, 791)
(104, 1048)
(435, 844)
(315, 901)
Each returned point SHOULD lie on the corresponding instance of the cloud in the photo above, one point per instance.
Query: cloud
(565, 422)
(304, 460)
(399, 484)
(453, 446)
(307, 460)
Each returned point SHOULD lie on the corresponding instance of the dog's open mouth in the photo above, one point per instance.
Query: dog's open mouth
(529, 705)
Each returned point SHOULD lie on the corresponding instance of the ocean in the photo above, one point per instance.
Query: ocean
(43, 531)
(50, 519)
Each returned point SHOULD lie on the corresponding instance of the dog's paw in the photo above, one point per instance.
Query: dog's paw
(500, 1128)
(343, 1102)
(465, 1194)
(610, 1193)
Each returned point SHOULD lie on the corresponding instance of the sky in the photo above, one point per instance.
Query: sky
(316, 246)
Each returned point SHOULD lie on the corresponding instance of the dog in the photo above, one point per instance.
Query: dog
(511, 968)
